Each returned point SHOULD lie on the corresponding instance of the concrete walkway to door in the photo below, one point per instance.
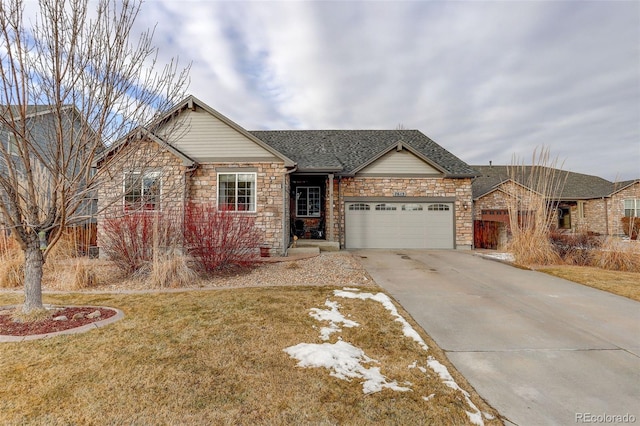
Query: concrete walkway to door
(539, 349)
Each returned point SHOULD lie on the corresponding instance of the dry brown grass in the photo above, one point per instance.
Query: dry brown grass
(530, 247)
(619, 256)
(625, 284)
(171, 272)
(11, 272)
(216, 357)
(11, 263)
(84, 276)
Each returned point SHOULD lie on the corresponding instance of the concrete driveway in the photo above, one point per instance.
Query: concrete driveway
(539, 349)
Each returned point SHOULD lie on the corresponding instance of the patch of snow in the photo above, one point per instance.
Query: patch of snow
(427, 398)
(333, 316)
(407, 330)
(507, 257)
(415, 365)
(488, 416)
(475, 417)
(345, 362)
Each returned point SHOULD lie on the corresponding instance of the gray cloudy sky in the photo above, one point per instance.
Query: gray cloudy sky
(486, 80)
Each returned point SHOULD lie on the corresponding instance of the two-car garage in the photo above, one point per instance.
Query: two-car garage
(377, 224)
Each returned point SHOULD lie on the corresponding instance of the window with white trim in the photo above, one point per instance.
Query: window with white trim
(581, 209)
(237, 191)
(308, 201)
(142, 190)
(12, 145)
(632, 207)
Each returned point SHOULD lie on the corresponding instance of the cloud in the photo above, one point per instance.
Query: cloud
(484, 79)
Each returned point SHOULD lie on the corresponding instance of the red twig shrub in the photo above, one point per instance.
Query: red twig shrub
(130, 240)
(631, 226)
(218, 239)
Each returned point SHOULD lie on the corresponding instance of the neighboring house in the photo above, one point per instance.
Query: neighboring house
(583, 203)
(43, 126)
(361, 188)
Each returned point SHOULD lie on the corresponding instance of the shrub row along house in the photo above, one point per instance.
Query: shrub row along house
(360, 188)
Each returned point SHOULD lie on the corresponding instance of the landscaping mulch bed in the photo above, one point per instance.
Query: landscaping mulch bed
(76, 317)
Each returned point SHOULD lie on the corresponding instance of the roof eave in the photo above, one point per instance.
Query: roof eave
(460, 175)
(333, 170)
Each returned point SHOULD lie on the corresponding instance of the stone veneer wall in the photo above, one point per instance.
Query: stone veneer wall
(201, 186)
(270, 209)
(493, 201)
(616, 207)
(460, 189)
(594, 219)
(147, 157)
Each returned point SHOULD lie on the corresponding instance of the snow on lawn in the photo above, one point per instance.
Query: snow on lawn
(345, 361)
(334, 317)
(505, 257)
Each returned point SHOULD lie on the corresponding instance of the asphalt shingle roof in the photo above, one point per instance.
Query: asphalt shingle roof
(347, 150)
(576, 186)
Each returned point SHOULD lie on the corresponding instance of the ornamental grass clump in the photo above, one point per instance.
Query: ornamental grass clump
(11, 263)
(532, 199)
(84, 275)
(171, 271)
(617, 255)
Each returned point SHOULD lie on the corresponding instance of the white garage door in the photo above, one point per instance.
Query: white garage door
(399, 225)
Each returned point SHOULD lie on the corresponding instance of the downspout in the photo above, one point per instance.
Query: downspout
(340, 228)
(285, 213)
(331, 206)
(606, 216)
(185, 191)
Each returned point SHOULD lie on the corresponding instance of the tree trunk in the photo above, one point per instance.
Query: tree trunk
(33, 262)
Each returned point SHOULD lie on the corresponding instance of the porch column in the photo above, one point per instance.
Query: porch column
(331, 206)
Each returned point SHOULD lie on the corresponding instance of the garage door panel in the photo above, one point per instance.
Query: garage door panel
(399, 225)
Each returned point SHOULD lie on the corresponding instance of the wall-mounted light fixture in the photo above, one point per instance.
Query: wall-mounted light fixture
(465, 205)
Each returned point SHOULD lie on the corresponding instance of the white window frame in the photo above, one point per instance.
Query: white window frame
(234, 207)
(12, 145)
(581, 209)
(141, 204)
(632, 204)
(310, 207)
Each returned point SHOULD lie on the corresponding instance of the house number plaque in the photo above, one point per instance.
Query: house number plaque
(399, 194)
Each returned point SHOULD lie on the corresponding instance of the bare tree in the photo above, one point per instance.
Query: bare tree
(73, 80)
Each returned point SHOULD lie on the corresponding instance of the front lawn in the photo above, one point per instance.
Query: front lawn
(625, 284)
(218, 357)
